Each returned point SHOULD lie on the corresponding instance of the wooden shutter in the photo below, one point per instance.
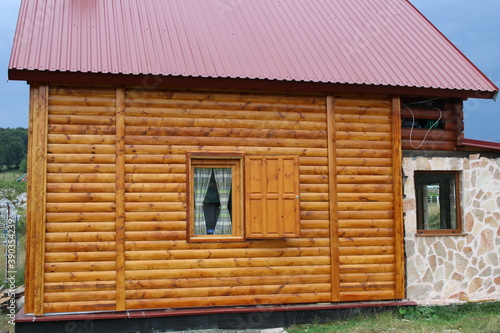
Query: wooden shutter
(272, 196)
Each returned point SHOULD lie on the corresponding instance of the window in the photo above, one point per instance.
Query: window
(217, 210)
(215, 197)
(437, 196)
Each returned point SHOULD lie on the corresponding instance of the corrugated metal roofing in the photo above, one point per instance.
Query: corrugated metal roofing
(382, 42)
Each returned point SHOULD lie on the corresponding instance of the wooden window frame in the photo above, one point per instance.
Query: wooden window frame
(214, 160)
(420, 210)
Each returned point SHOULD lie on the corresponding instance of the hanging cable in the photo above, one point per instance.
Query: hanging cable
(413, 126)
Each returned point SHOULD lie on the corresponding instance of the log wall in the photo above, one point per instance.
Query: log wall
(115, 231)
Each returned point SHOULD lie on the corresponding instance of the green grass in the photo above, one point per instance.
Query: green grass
(10, 188)
(471, 317)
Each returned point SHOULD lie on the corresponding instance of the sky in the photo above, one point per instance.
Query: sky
(473, 26)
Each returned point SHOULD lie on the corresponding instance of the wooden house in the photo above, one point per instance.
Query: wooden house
(198, 154)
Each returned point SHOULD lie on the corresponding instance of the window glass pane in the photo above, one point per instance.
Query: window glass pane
(213, 201)
(432, 208)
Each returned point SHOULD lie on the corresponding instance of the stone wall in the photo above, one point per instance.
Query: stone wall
(452, 269)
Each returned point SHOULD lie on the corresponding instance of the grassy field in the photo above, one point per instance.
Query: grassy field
(471, 317)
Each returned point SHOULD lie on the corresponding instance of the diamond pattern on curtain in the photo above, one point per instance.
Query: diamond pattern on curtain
(223, 179)
(201, 182)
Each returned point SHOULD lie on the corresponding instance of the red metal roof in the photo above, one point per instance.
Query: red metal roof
(481, 144)
(361, 42)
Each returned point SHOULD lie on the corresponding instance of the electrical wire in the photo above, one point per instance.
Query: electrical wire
(413, 126)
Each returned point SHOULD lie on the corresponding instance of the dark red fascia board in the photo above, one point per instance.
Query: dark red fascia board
(481, 144)
(157, 81)
(21, 317)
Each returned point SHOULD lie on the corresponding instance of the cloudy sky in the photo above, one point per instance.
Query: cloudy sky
(473, 26)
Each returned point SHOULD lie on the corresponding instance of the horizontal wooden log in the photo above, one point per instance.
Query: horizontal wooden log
(155, 178)
(366, 250)
(314, 215)
(79, 286)
(227, 291)
(154, 216)
(155, 235)
(80, 247)
(81, 139)
(80, 168)
(361, 104)
(64, 207)
(418, 134)
(80, 197)
(162, 131)
(155, 187)
(223, 272)
(367, 286)
(226, 282)
(81, 296)
(220, 123)
(90, 98)
(224, 141)
(313, 170)
(365, 197)
(79, 276)
(429, 145)
(153, 226)
(364, 153)
(366, 259)
(366, 268)
(364, 188)
(81, 120)
(315, 233)
(363, 118)
(225, 263)
(358, 224)
(155, 206)
(313, 197)
(81, 217)
(82, 110)
(367, 215)
(314, 206)
(354, 161)
(100, 236)
(314, 224)
(57, 148)
(362, 170)
(80, 178)
(366, 277)
(313, 161)
(81, 158)
(80, 188)
(162, 150)
(152, 197)
(155, 168)
(84, 306)
(155, 159)
(362, 127)
(226, 253)
(364, 179)
(80, 256)
(259, 244)
(366, 136)
(364, 206)
(313, 179)
(366, 241)
(72, 267)
(80, 227)
(228, 301)
(82, 129)
(363, 144)
(372, 232)
(313, 188)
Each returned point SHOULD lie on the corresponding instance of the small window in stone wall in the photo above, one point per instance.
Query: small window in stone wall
(438, 203)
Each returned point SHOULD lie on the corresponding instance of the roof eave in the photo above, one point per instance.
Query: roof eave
(153, 81)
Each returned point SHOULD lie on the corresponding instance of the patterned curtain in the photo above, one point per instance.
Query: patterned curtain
(223, 179)
(201, 182)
